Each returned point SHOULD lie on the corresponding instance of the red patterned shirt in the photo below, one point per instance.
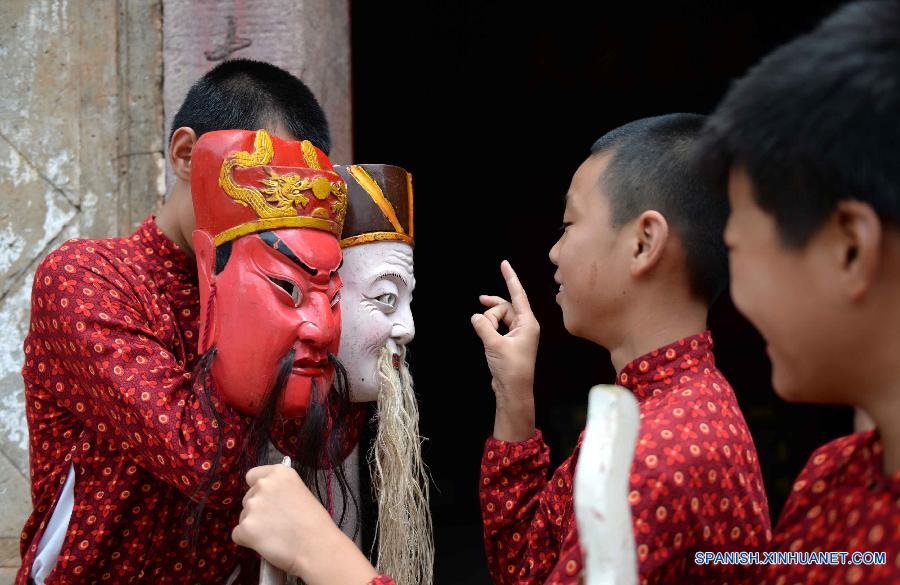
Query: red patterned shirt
(695, 482)
(110, 395)
(841, 502)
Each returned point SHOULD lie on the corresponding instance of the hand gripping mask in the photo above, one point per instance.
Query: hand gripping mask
(269, 214)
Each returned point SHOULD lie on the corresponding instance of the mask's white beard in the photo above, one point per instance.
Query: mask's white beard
(399, 480)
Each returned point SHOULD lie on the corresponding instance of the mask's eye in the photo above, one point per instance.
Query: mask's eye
(564, 226)
(336, 298)
(290, 288)
(387, 303)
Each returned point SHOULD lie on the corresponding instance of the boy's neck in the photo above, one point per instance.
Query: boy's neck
(886, 414)
(655, 327)
(169, 220)
(890, 442)
(876, 383)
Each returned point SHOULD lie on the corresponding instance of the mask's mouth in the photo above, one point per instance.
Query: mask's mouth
(310, 365)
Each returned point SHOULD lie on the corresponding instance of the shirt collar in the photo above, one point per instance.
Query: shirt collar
(658, 371)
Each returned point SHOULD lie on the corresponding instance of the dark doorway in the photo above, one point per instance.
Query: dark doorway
(492, 105)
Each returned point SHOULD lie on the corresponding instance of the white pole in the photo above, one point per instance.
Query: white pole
(602, 510)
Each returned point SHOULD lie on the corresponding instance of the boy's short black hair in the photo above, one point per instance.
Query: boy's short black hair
(249, 95)
(817, 121)
(654, 165)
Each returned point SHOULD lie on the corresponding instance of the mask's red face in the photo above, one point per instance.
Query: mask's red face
(278, 291)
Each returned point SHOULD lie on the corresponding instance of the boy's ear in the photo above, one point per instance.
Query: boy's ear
(856, 248)
(205, 254)
(180, 147)
(651, 233)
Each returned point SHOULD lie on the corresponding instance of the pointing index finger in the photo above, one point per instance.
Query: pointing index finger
(517, 295)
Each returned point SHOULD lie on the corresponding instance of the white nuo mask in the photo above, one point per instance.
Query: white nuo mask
(376, 314)
(377, 325)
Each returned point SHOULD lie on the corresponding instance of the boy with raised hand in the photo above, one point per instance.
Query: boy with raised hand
(639, 263)
(808, 143)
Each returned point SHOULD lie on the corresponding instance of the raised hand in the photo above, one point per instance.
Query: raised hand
(510, 356)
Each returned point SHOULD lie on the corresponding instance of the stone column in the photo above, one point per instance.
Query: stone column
(309, 38)
(80, 155)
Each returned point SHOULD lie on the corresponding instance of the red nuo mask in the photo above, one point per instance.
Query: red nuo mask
(269, 214)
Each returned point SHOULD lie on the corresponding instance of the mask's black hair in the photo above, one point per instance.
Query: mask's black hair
(328, 445)
(321, 438)
(257, 440)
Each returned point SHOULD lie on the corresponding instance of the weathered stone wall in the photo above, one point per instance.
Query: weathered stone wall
(83, 115)
(81, 125)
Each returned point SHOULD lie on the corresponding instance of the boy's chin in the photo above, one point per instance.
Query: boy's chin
(572, 323)
(789, 386)
(581, 324)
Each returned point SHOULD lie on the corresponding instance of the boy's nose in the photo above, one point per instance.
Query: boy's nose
(554, 254)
